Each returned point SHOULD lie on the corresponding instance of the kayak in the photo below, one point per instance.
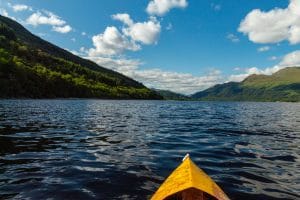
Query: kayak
(189, 182)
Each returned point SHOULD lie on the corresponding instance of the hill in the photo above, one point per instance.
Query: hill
(169, 95)
(31, 67)
(283, 85)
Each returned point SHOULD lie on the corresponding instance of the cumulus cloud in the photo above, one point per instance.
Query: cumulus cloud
(62, 29)
(111, 42)
(290, 60)
(264, 48)
(161, 7)
(123, 17)
(232, 37)
(273, 26)
(20, 7)
(49, 18)
(144, 32)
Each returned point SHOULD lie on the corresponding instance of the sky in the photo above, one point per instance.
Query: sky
(180, 45)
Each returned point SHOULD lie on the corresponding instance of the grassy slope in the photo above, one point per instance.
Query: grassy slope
(283, 85)
(286, 76)
(32, 67)
(37, 43)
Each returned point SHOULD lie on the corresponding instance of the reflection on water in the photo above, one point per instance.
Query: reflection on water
(96, 149)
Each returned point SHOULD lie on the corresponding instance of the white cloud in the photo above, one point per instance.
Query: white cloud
(237, 77)
(83, 33)
(5, 14)
(291, 60)
(62, 29)
(123, 17)
(273, 26)
(49, 18)
(144, 32)
(178, 82)
(232, 37)
(111, 42)
(295, 34)
(161, 7)
(121, 65)
(156, 78)
(20, 7)
(264, 48)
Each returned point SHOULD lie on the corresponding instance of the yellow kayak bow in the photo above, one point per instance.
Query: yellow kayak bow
(188, 182)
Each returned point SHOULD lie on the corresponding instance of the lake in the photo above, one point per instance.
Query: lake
(109, 149)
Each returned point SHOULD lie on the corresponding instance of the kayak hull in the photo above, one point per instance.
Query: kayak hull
(188, 182)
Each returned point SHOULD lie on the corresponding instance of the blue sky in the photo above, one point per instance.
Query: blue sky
(180, 45)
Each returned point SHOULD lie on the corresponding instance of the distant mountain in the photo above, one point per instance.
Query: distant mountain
(283, 85)
(169, 95)
(31, 67)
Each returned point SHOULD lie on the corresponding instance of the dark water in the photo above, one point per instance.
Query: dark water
(94, 149)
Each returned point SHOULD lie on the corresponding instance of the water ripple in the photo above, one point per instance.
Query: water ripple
(101, 149)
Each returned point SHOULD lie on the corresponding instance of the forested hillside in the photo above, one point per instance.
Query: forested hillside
(33, 68)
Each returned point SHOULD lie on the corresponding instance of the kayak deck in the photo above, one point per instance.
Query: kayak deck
(188, 182)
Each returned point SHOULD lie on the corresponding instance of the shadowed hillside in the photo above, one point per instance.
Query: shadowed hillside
(169, 95)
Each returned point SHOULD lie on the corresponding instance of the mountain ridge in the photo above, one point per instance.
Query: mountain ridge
(284, 85)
